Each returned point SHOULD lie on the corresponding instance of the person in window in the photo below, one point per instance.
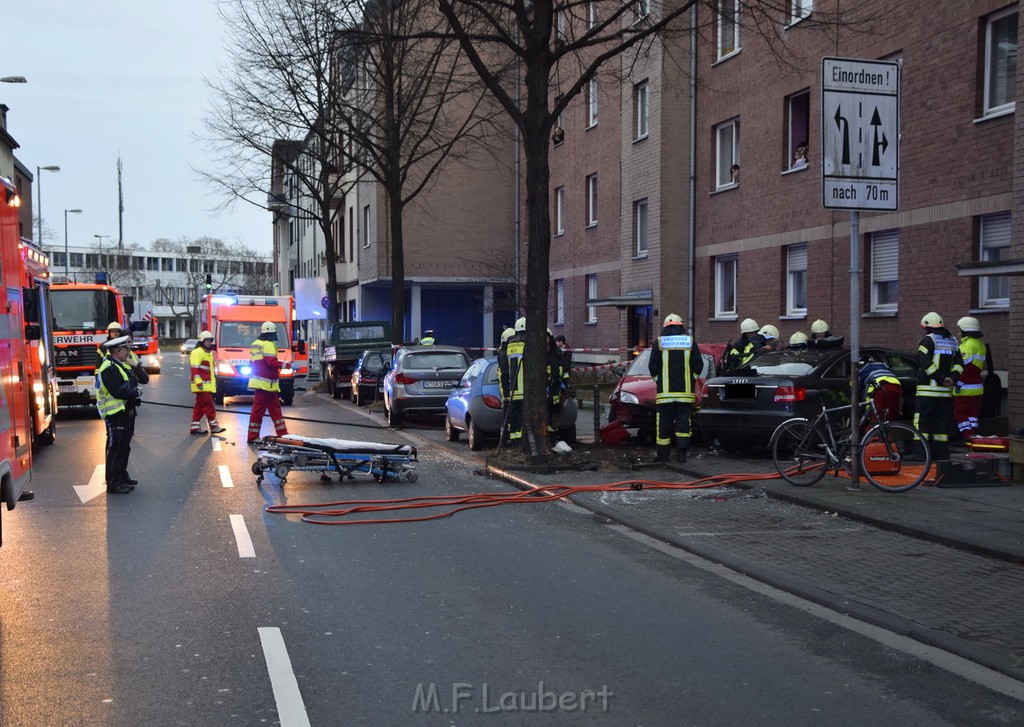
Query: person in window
(734, 173)
(800, 156)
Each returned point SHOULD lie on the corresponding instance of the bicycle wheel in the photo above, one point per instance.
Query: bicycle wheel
(799, 452)
(882, 454)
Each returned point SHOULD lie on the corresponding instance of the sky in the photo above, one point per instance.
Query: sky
(120, 78)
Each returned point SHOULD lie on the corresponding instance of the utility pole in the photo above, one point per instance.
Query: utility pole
(120, 208)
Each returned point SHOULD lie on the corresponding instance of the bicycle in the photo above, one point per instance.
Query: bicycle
(803, 450)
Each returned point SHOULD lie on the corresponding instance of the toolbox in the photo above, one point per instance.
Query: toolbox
(988, 444)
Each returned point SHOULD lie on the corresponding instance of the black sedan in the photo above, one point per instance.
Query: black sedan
(743, 409)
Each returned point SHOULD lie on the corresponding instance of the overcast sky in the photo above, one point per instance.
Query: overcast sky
(119, 77)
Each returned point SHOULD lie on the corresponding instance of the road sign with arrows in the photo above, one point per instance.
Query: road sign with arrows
(860, 127)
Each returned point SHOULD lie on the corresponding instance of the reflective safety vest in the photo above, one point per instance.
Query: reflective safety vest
(106, 403)
(974, 353)
(939, 357)
(203, 378)
(516, 347)
(671, 366)
(264, 376)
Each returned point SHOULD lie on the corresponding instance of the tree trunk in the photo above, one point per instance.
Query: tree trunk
(397, 265)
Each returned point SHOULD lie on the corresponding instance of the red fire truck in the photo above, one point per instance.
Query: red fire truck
(39, 367)
(146, 342)
(81, 313)
(15, 335)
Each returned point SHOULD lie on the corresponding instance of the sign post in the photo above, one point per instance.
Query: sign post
(860, 163)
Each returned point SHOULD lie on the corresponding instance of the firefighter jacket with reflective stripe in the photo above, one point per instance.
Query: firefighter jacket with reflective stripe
(114, 387)
(558, 374)
(675, 365)
(516, 348)
(739, 353)
(266, 368)
(203, 377)
(874, 374)
(974, 354)
(939, 358)
(503, 373)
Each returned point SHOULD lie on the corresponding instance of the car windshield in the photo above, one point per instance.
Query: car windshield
(641, 365)
(786, 363)
(82, 309)
(343, 333)
(435, 360)
(376, 360)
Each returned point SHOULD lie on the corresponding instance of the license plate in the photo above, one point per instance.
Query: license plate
(436, 384)
(66, 388)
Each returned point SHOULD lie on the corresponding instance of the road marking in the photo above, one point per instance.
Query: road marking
(97, 484)
(290, 708)
(242, 539)
(225, 475)
(216, 443)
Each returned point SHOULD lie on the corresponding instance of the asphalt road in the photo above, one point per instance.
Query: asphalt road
(184, 603)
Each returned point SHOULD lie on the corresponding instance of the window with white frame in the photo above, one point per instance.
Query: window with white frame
(366, 226)
(796, 280)
(1001, 61)
(592, 103)
(725, 285)
(799, 9)
(798, 113)
(641, 109)
(728, 21)
(885, 271)
(994, 245)
(592, 295)
(560, 301)
(560, 211)
(640, 227)
(592, 16)
(591, 200)
(727, 152)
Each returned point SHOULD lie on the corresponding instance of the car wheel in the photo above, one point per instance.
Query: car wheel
(218, 399)
(394, 418)
(49, 434)
(568, 434)
(333, 387)
(476, 437)
(288, 398)
(357, 396)
(450, 432)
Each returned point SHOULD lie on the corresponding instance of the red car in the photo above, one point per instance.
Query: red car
(632, 400)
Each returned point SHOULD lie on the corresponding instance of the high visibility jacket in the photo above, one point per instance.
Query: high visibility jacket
(675, 365)
(874, 374)
(203, 377)
(558, 375)
(266, 368)
(939, 358)
(108, 403)
(974, 354)
(739, 353)
(428, 341)
(516, 348)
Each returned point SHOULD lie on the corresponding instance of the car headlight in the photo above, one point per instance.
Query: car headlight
(223, 367)
(626, 397)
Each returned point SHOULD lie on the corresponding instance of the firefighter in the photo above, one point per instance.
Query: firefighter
(558, 384)
(117, 396)
(941, 365)
(114, 330)
(503, 374)
(515, 350)
(798, 340)
(739, 353)
(265, 383)
(204, 384)
(770, 336)
(879, 383)
(967, 397)
(819, 329)
(675, 365)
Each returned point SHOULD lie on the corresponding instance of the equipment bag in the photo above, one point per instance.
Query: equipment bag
(877, 460)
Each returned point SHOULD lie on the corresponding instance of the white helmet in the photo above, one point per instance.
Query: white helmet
(931, 320)
(969, 324)
(672, 320)
(268, 327)
(769, 331)
(521, 324)
(819, 327)
(114, 325)
(507, 334)
(204, 335)
(798, 339)
(749, 325)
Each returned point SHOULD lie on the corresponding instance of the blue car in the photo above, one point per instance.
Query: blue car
(474, 407)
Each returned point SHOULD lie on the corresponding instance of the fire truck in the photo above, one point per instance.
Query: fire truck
(39, 367)
(81, 313)
(234, 321)
(16, 397)
(146, 343)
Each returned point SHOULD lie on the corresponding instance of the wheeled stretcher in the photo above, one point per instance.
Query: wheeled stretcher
(343, 457)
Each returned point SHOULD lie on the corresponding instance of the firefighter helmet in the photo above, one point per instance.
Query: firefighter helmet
(769, 331)
(268, 327)
(672, 320)
(521, 325)
(932, 320)
(749, 325)
(798, 339)
(819, 326)
(969, 324)
(204, 335)
(507, 334)
(114, 326)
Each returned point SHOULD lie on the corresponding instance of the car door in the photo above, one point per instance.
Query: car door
(904, 365)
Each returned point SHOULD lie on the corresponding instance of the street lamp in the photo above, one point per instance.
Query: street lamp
(39, 199)
(67, 257)
(13, 79)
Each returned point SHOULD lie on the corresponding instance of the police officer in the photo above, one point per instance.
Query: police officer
(967, 397)
(739, 353)
(117, 396)
(515, 350)
(940, 363)
(675, 365)
(428, 338)
(204, 384)
(265, 383)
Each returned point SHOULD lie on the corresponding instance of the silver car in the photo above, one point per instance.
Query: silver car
(420, 378)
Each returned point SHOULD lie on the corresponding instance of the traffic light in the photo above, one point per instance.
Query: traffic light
(209, 282)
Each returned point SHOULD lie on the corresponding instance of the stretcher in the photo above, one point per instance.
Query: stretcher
(344, 457)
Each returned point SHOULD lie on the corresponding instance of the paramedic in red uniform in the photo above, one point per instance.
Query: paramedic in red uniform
(204, 384)
(264, 382)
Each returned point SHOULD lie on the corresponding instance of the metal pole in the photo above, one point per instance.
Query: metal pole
(67, 273)
(39, 207)
(597, 413)
(854, 349)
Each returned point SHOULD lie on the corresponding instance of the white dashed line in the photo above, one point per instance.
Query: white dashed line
(216, 443)
(290, 708)
(242, 539)
(225, 476)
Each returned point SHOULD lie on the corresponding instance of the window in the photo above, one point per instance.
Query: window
(153, 263)
(994, 239)
(798, 114)
(560, 301)
(1000, 61)
(641, 110)
(796, 280)
(592, 103)
(92, 260)
(640, 228)
(140, 263)
(592, 295)
(366, 226)
(727, 152)
(57, 259)
(77, 260)
(181, 296)
(799, 9)
(885, 269)
(727, 20)
(591, 200)
(560, 210)
(725, 285)
(167, 264)
(591, 13)
(208, 266)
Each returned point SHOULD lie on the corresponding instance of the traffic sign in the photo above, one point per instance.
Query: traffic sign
(860, 134)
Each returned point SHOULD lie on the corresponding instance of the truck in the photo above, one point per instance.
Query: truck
(234, 321)
(39, 368)
(345, 342)
(81, 313)
(16, 348)
(146, 342)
